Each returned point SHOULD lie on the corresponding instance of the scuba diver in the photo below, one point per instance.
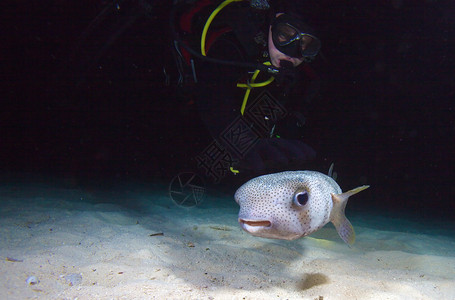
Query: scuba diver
(244, 68)
(253, 79)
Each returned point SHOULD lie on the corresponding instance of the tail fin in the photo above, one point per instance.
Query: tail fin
(338, 218)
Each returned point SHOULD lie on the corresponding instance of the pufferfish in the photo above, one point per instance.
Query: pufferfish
(294, 204)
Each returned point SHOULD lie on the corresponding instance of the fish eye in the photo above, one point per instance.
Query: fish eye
(301, 198)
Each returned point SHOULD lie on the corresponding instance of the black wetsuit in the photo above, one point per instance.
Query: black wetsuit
(271, 111)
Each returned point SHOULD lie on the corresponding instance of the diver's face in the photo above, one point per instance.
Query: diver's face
(276, 56)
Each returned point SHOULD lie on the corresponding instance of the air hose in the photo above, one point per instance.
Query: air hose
(269, 69)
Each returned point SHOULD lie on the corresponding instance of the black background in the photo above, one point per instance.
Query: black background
(84, 107)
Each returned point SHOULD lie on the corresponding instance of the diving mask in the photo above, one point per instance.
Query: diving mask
(294, 38)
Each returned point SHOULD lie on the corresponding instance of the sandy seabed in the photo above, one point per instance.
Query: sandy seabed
(73, 244)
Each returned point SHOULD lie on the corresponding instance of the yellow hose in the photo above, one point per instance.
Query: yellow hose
(252, 85)
(209, 21)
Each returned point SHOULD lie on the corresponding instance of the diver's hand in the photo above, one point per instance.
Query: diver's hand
(276, 153)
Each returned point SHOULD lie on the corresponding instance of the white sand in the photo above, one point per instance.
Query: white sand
(202, 254)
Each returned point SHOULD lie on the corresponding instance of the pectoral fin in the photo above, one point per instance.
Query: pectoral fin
(338, 218)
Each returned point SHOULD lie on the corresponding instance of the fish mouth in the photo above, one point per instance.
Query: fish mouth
(255, 223)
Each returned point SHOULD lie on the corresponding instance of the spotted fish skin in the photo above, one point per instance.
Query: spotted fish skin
(293, 204)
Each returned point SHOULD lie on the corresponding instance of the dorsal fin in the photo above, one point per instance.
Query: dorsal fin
(332, 174)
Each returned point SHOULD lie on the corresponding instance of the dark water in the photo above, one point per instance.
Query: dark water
(84, 100)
